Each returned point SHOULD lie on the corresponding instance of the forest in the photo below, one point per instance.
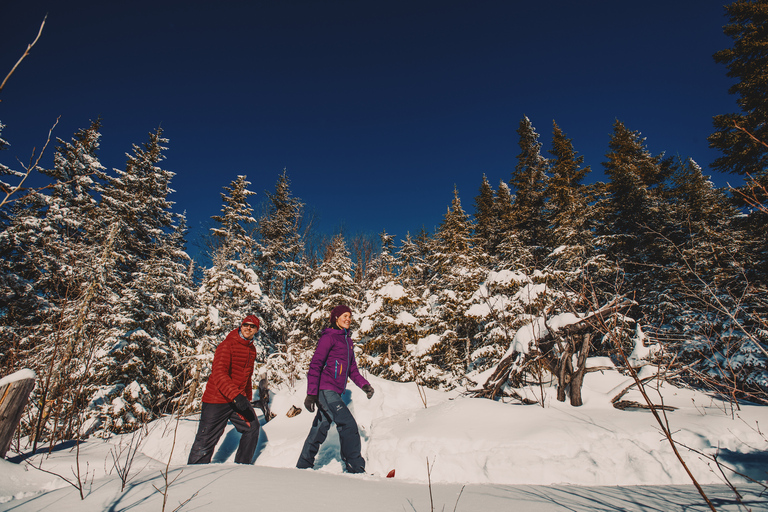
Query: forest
(101, 299)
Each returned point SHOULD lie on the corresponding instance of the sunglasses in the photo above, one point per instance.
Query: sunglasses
(251, 326)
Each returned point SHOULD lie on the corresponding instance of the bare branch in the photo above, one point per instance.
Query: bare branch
(32, 166)
(29, 47)
(758, 141)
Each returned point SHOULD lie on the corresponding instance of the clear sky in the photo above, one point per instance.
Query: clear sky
(376, 108)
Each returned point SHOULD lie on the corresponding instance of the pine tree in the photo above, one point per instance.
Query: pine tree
(236, 223)
(411, 261)
(388, 323)
(529, 181)
(56, 271)
(486, 224)
(282, 244)
(747, 62)
(140, 363)
(458, 268)
(331, 284)
(634, 190)
(231, 288)
(743, 137)
(567, 207)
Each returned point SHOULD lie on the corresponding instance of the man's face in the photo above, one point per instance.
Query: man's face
(248, 330)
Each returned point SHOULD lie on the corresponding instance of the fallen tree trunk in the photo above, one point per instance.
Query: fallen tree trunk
(591, 322)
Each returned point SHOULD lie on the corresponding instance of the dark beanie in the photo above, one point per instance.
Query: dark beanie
(337, 312)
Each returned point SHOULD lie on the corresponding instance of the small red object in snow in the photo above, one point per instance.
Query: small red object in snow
(391, 474)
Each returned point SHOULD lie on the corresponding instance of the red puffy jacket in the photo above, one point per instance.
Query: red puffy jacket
(232, 370)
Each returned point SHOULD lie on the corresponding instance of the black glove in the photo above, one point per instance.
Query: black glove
(241, 403)
(368, 391)
(310, 402)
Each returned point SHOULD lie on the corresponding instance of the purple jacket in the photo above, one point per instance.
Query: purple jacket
(333, 363)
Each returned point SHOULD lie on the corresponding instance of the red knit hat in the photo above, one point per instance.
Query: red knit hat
(251, 319)
(337, 312)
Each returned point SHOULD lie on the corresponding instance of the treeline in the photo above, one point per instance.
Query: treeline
(99, 296)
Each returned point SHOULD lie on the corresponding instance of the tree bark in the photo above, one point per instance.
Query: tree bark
(581, 367)
(13, 399)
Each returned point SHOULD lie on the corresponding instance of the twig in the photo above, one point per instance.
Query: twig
(458, 498)
(32, 166)
(758, 141)
(29, 47)
(664, 427)
(164, 473)
(422, 394)
(429, 483)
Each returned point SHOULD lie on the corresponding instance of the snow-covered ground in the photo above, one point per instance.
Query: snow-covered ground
(482, 455)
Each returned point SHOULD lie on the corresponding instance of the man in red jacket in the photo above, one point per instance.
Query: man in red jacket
(228, 396)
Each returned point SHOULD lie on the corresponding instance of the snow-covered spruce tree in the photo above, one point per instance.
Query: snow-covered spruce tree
(231, 288)
(331, 284)
(747, 62)
(703, 294)
(65, 276)
(388, 324)
(458, 269)
(134, 368)
(282, 245)
(631, 211)
(412, 263)
(567, 208)
(502, 304)
(40, 245)
(487, 226)
(529, 182)
(162, 300)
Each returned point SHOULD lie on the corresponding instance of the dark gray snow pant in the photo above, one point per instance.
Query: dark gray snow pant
(332, 409)
(213, 421)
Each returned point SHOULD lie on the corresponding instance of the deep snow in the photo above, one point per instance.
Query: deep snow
(482, 455)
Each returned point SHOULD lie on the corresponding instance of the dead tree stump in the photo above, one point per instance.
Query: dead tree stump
(14, 395)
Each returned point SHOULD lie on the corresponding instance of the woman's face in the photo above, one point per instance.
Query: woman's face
(344, 321)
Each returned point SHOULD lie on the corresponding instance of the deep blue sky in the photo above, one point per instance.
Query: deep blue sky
(376, 108)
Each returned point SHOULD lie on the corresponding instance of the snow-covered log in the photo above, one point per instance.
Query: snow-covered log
(578, 334)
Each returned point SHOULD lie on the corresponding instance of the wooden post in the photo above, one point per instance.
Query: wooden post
(14, 394)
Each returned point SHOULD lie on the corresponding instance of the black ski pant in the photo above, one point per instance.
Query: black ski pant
(332, 409)
(213, 421)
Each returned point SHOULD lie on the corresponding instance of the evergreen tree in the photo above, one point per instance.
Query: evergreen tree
(234, 234)
(567, 207)
(331, 284)
(458, 270)
(54, 273)
(411, 261)
(140, 364)
(388, 323)
(747, 63)
(282, 244)
(743, 137)
(486, 223)
(529, 181)
(630, 211)
(231, 289)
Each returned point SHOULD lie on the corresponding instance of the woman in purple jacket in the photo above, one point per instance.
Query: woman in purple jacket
(332, 364)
